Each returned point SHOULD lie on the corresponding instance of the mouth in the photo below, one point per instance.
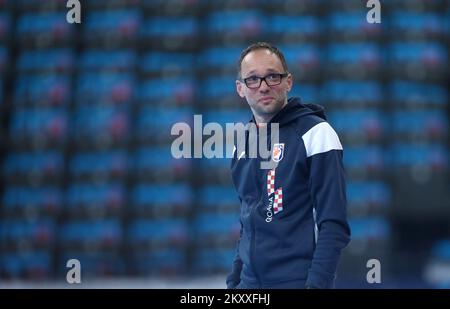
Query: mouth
(265, 99)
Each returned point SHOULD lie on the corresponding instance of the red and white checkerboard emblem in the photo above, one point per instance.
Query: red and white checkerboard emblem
(278, 201)
(278, 198)
(277, 152)
(270, 182)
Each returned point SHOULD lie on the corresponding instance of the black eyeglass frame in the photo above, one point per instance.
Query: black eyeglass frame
(261, 79)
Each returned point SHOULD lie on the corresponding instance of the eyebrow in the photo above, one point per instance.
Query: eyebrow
(268, 71)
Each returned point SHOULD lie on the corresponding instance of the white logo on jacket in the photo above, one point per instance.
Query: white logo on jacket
(277, 152)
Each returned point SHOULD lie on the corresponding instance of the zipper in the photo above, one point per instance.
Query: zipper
(259, 177)
(253, 245)
(257, 173)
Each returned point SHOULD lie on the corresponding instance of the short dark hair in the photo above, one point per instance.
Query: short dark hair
(261, 45)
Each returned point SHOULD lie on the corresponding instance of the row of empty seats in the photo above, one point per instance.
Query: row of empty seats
(89, 173)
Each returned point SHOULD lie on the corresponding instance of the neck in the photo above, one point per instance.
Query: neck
(262, 120)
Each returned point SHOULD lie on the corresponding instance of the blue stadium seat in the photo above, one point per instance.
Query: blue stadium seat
(33, 5)
(428, 124)
(364, 195)
(171, 7)
(230, 116)
(110, 4)
(22, 200)
(292, 28)
(107, 164)
(416, 5)
(429, 55)
(148, 233)
(214, 89)
(154, 124)
(31, 264)
(417, 25)
(48, 125)
(214, 197)
(99, 123)
(338, 94)
(369, 158)
(56, 60)
(102, 88)
(95, 200)
(217, 170)
(41, 91)
(162, 262)
(36, 26)
(99, 233)
(162, 63)
(351, 58)
(170, 26)
(157, 164)
(219, 59)
(242, 25)
(168, 91)
(370, 229)
(45, 165)
(366, 124)
(435, 156)
(118, 25)
(308, 92)
(292, 7)
(417, 95)
(303, 60)
(161, 200)
(37, 233)
(352, 26)
(215, 229)
(207, 261)
(430, 59)
(99, 60)
(171, 30)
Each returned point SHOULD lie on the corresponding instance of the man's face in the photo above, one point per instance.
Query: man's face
(264, 101)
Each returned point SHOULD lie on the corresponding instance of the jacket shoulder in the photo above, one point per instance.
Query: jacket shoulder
(304, 124)
(317, 135)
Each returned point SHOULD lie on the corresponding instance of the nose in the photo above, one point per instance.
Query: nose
(264, 88)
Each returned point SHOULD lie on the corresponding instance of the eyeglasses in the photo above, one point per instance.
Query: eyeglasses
(272, 79)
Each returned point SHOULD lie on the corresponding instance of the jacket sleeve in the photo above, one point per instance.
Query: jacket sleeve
(234, 277)
(328, 191)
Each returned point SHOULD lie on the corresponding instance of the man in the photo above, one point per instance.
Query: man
(293, 216)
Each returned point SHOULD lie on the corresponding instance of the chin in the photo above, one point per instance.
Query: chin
(272, 108)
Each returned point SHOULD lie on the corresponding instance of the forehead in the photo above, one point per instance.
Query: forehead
(261, 61)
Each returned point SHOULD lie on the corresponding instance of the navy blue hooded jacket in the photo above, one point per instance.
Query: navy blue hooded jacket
(293, 217)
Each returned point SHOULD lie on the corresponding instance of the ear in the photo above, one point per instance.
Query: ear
(240, 89)
(289, 82)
